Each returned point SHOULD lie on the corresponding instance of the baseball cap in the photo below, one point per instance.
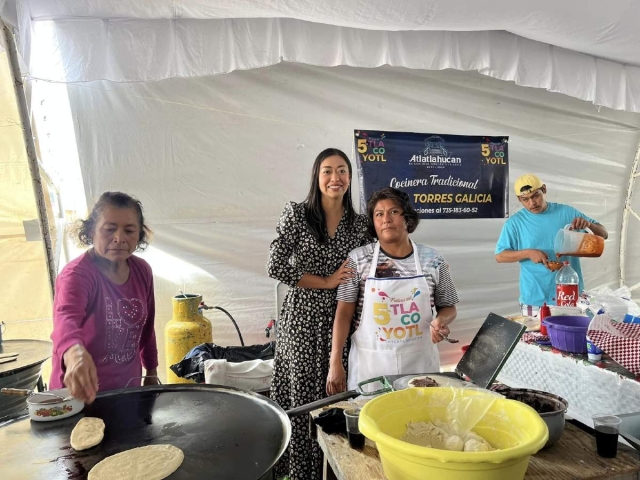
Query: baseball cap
(526, 184)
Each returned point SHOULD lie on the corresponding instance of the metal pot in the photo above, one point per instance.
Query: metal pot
(549, 406)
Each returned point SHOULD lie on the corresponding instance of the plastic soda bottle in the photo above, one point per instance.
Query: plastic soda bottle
(566, 286)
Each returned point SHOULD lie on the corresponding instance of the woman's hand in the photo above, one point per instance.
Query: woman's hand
(437, 330)
(336, 380)
(81, 376)
(342, 275)
(151, 378)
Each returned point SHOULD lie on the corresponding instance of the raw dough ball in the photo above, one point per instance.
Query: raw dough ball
(153, 462)
(474, 445)
(454, 443)
(87, 433)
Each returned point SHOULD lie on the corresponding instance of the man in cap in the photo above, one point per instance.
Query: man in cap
(527, 237)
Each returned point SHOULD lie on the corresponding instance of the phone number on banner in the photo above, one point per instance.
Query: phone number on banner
(447, 210)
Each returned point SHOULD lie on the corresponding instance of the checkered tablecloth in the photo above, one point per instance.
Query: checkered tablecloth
(588, 388)
(621, 341)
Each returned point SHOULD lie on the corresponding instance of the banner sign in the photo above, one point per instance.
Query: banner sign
(446, 176)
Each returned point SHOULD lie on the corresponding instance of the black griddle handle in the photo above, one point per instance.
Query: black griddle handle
(310, 407)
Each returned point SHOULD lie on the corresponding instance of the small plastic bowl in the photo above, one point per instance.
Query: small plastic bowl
(554, 266)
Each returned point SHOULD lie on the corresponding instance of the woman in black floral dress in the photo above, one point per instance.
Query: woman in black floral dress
(309, 255)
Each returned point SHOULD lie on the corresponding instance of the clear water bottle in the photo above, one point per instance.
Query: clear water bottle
(566, 286)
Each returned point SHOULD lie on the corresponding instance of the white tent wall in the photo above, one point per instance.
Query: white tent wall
(631, 257)
(25, 299)
(214, 160)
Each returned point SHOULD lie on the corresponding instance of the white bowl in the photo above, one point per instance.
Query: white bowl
(44, 408)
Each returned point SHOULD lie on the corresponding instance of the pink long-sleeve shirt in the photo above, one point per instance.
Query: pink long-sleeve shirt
(115, 323)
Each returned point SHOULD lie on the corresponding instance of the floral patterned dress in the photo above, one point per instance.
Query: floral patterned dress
(303, 344)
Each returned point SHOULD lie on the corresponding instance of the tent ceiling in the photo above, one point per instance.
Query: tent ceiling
(583, 49)
(603, 29)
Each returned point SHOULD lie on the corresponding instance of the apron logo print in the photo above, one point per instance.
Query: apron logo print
(410, 318)
(396, 311)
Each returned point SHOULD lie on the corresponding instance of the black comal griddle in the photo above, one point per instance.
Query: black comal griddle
(225, 433)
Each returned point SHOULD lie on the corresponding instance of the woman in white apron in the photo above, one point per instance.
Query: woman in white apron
(398, 286)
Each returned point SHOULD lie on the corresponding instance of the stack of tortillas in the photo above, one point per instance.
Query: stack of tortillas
(153, 462)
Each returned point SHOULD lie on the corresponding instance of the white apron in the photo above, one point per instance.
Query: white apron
(393, 337)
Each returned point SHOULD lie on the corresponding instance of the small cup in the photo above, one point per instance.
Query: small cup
(356, 439)
(594, 354)
(607, 430)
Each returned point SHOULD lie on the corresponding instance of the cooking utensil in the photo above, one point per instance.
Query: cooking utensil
(450, 340)
(446, 337)
(7, 360)
(489, 350)
(8, 355)
(22, 392)
(384, 388)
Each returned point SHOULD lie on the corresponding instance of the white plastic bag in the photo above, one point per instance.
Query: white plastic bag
(615, 303)
(252, 375)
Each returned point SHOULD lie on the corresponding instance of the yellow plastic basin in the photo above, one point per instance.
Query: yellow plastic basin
(515, 429)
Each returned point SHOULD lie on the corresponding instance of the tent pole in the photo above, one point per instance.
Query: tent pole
(625, 215)
(32, 158)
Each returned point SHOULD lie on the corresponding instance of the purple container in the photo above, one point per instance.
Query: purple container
(568, 332)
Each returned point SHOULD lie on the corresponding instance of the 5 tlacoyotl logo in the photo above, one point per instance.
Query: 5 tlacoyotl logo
(493, 153)
(435, 154)
(371, 149)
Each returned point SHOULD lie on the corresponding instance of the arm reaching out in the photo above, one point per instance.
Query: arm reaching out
(337, 379)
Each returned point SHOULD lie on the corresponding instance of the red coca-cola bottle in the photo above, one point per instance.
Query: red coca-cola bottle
(566, 286)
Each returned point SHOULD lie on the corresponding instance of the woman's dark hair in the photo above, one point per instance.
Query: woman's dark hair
(85, 228)
(402, 199)
(314, 213)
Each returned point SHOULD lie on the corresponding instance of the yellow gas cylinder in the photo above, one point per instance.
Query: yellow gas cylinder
(187, 329)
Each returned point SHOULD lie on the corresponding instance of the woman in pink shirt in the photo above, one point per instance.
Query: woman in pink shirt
(104, 306)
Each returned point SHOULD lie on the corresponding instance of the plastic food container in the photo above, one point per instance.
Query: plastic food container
(568, 332)
(578, 244)
(513, 427)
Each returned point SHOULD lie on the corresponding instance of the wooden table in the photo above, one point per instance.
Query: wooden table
(573, 457)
